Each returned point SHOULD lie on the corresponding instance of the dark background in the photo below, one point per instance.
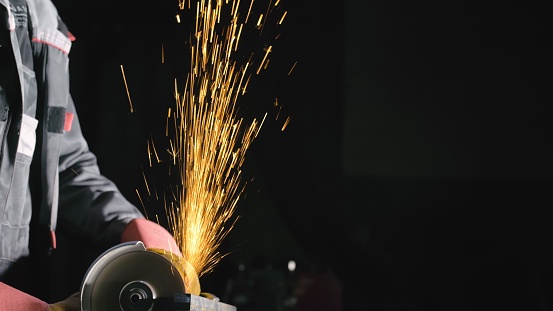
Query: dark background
(415, 173)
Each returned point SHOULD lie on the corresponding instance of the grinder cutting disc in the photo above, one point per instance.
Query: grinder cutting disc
(128, 277)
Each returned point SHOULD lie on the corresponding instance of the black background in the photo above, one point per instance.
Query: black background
(416, 168)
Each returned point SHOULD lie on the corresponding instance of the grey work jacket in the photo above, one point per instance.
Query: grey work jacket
(40, 131)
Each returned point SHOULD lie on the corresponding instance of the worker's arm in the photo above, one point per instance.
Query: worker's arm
(90, 205)
(15, 300)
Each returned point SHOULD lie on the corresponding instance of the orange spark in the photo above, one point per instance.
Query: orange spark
(209, 141)
(293, 66)
(267, 51)
(259, 20)
(127, 88)
(285, 124)
(282, 18)
(142, 203)
(249, 11)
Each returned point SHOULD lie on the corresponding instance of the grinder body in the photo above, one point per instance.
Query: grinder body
(128, 277)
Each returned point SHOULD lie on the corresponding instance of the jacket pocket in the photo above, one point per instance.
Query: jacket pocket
(18, 206)
(27, 135)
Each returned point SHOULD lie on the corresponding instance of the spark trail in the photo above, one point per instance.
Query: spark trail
(210, 140)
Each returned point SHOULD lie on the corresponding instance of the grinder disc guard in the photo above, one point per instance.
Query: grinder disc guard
(128, 277)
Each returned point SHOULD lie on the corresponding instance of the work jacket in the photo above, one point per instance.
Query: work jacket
(48, 175)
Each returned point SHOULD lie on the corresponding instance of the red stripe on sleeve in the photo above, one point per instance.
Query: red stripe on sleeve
(68, 121)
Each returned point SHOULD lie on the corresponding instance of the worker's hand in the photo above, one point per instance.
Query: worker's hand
(157, 239)
(187, 271)
(72, 303)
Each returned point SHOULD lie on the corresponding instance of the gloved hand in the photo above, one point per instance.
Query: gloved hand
(72, 303)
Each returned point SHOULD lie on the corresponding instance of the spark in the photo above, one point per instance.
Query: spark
(210, 140)
(269, 9)
(259, 127)
(234, 9)
(291, 69)
(158, 160)
(282, 18)
(278, 113)
(167, 123)
(267, 51)
(146, 182)
(238, 37)
(285, 124)
(127, 88)
(162, 54)
(149, 154)
(249, 11)
(207, 139)
(142, 203)
(246, 85)
(259, 20)
(173, 152)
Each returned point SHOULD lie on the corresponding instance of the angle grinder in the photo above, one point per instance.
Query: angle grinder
(127, 277)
